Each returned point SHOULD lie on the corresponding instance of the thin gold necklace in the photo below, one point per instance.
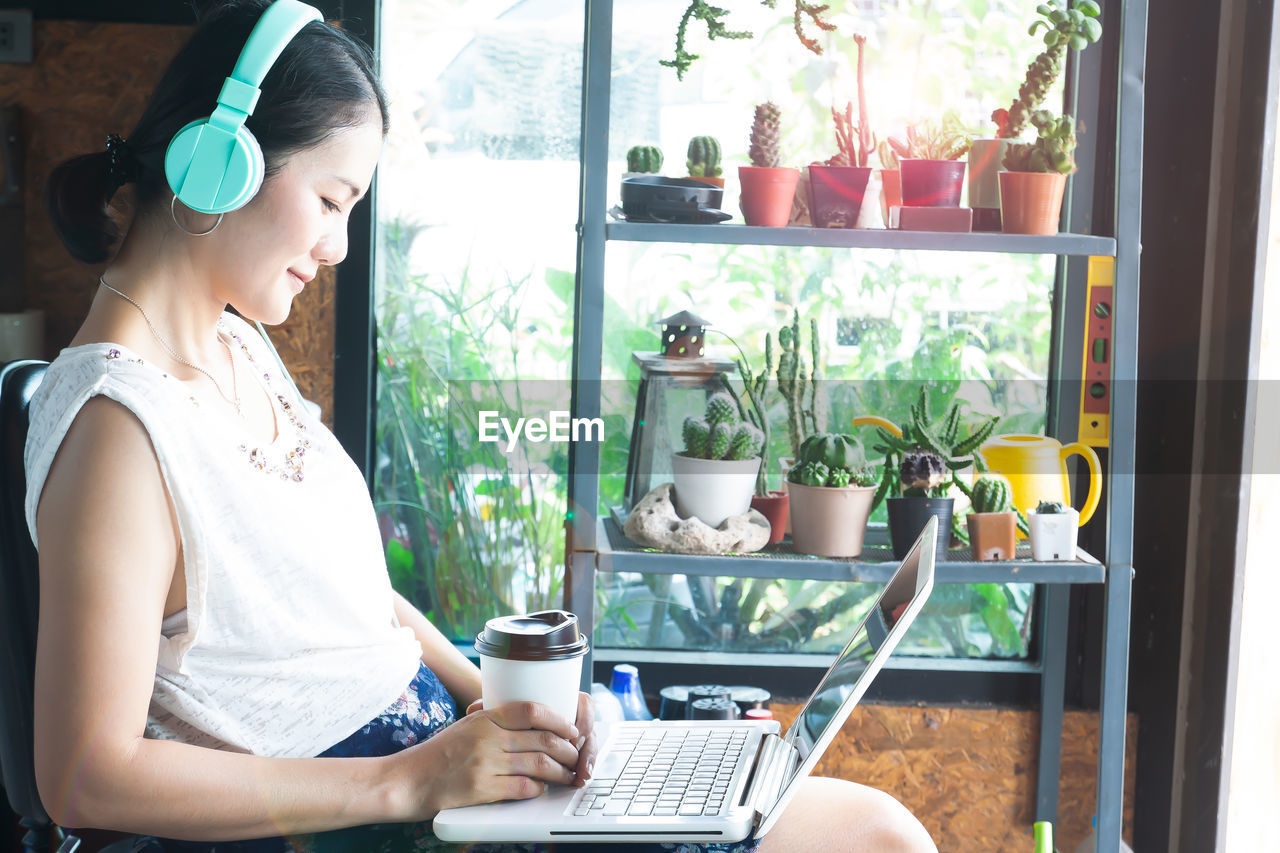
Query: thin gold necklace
(235, 390)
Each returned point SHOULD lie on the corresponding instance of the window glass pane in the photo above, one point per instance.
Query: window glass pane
(477, 198)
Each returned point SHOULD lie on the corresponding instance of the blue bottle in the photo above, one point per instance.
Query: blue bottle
(626, 686)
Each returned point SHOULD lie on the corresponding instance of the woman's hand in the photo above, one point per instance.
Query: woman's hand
(585, 743)
(509, 753)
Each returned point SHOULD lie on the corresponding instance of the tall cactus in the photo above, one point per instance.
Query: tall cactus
(765, 132)
(794, 382)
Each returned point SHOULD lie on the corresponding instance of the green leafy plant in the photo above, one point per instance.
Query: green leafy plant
(721, 433)
(644, 158)
(765, 131)
(1053, 149)
(713, 17)
(1065, 26)
(947, 139)
(924, 462)
(832, 459)
(704, 157)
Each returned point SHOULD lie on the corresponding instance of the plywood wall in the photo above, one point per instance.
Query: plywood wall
(969, 773)
(88, 80)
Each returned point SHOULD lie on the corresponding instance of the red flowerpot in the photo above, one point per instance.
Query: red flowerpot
(836, 194)
(774, 507)
(932, 183)
(890, 192)
(767, 193)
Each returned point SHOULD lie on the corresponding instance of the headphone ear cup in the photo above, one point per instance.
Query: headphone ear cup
(209, 177)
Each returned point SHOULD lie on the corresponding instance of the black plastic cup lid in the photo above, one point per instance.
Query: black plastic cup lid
(545, 635)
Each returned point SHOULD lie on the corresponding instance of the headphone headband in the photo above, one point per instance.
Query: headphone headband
(214, 165)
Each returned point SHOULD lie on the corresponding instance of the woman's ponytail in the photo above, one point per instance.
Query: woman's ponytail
(76, 199)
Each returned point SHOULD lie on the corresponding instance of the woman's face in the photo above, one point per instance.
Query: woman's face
(270, 249)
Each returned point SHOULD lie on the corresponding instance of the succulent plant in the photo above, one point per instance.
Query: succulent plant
(923, 462)
(1053, 150)
(928, 140)
(644, 158)
(704, 157)
(765, 131)
(992, 493)
(1072, 26)
(1050, 508)
(810, 474)
(754, 385)
(922, 470)
(721, 433)
(816, 473)
(713, 17)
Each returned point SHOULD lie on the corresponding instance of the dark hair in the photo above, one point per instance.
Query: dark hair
(324, 80)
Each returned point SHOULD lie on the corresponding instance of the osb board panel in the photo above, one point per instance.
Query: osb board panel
(88, 80)
(969, 774)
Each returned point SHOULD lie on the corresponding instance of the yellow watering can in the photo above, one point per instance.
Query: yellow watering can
(1035, 466)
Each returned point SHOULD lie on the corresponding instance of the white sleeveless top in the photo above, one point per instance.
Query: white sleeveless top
(290, 643)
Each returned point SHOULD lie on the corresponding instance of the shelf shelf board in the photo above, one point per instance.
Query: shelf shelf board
(849, 238)
(617, 553)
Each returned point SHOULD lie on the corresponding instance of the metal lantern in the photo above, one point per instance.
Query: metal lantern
(672, 387)
(684, 335)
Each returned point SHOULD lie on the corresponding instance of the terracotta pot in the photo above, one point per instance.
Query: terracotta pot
(785, 464)
(713, 489)
(992, 535)
(986, 159)
(908, 516)
(932, 183)
(829, 521)
(715, 182)
(836, 194)
(773, 507)
(1031, 202)
(891, 194)
(767, 194)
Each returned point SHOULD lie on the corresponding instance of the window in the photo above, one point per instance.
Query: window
(478, 193)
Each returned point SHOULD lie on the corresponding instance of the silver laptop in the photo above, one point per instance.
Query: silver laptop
(709, 781)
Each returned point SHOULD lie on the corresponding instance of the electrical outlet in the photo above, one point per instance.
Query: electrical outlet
(15, 35)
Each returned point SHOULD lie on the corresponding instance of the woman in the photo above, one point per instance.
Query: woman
(221, 655)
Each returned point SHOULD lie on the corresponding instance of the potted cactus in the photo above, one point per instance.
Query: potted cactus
(838, 186)
(715, 474)
(1035, 176)
(929, 157)
(831, 490)
(1052, 530)
(993, 523)
(920, 467)
(767, 188)
(643, 160)
(1073, 26)
(704, 160)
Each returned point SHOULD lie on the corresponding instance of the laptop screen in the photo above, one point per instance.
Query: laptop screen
(853, 662)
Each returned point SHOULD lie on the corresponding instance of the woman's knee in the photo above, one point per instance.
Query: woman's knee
(836, 815)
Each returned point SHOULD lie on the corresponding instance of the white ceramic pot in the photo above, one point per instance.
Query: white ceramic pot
(713, 489)
(1053, 535)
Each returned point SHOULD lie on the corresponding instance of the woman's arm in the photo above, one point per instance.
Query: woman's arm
(458, 674)
(108, 551)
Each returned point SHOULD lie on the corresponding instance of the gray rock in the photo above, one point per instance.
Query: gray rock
(654, 523)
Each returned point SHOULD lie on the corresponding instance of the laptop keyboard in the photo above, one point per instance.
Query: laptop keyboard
(665, 773)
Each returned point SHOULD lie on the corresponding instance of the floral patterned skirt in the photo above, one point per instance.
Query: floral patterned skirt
(423, 709)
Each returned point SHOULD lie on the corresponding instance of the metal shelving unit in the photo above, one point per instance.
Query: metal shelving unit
(596, 544)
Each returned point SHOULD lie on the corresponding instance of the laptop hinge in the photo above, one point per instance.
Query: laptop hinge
(771, 764)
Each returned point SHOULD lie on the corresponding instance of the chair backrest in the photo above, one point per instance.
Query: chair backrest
(19, 593)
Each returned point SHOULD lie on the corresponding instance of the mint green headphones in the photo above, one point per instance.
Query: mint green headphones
(214, 165)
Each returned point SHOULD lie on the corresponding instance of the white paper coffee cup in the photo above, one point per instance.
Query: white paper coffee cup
(535, 657)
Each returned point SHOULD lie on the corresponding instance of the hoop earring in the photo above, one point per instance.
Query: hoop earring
(173, 213)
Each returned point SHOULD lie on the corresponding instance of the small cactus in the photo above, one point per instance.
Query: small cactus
(992, 494)
(1050, 508)
(644, 158)
(721, 438)
(922, 470)
(704, 157)
(697, 436)
(765, 130)
(746, 442)
(839, 477)
(721, 409)
(810, 474)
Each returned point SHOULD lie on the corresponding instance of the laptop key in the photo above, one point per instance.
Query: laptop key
(690, 811)
(640, 809)
(616, 807)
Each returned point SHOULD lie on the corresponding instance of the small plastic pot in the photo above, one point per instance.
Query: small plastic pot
(932, 183)
(993, 535)
(836, 194)
(908, 516)
(1031, 202)
(773, 507)
(767, 193)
